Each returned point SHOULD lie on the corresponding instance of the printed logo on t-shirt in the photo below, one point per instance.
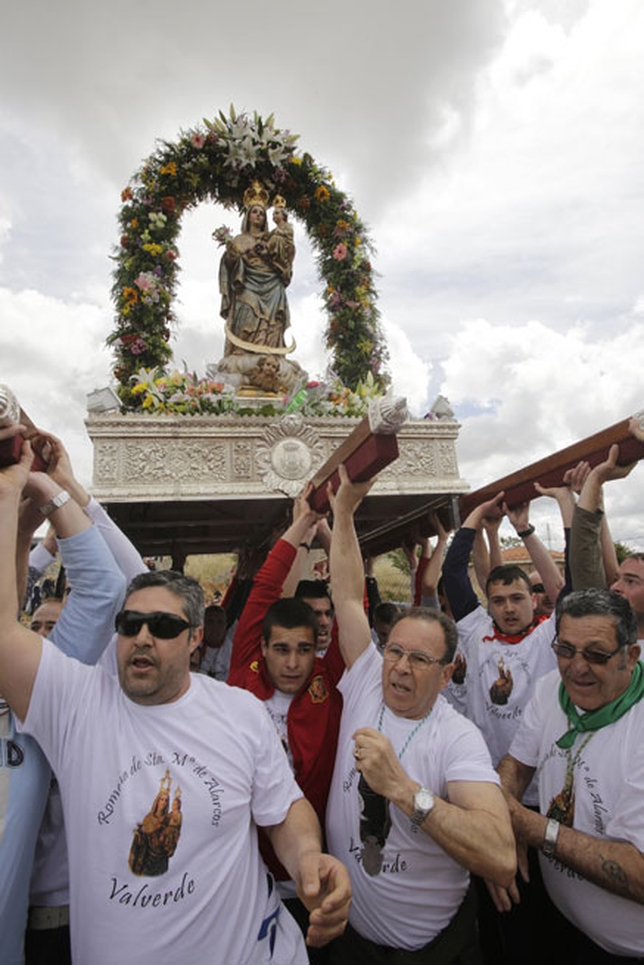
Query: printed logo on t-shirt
(502, 687)
(157, 835)
(318, 689)
(460, 669)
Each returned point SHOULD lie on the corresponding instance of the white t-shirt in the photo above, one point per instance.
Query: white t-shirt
(500, 680)
(420, 887)
(609, 803)
(161, 804)
(277, 707)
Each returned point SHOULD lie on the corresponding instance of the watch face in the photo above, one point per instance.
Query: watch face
(423, 800)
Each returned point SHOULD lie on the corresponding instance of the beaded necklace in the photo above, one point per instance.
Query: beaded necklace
(411, 735)
(375, 822)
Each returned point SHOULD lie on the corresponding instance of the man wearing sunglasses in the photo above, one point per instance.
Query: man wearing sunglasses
(583, 735)
(415, 803)
(163, 777)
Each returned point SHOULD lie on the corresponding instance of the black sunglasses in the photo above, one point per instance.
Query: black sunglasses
(165, 626)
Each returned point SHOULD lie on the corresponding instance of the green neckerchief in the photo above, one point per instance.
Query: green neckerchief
(596, 719)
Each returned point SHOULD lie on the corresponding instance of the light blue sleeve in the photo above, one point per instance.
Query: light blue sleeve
(40, 558)
(86, 622)
(124, 552)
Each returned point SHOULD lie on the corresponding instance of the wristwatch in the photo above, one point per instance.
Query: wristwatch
(423, 804)
(55, 503)
(526, 532)
(550, 838)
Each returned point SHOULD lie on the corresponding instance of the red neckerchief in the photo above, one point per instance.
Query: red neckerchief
(514, 637)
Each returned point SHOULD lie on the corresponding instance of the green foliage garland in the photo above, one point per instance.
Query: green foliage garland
(218, 162)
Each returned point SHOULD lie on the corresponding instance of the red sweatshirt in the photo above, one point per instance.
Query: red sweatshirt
(314, 713)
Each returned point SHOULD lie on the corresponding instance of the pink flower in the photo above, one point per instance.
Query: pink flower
(340, 252)
(138, 347)
(198, 141)
(145, 281)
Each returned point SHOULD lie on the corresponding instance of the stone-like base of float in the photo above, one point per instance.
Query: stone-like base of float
(207, 484)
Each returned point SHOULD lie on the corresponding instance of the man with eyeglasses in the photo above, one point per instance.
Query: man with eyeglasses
(583, 735)
(415, 803)
(164, 776)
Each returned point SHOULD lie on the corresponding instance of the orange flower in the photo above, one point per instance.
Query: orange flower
(322, 193)
(169, 168)
(168, 204)
(127, 194)
(131, 296)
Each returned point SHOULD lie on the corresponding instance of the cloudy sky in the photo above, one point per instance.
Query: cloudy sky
(494, 148)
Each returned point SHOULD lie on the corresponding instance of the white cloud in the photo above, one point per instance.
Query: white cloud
(495, 150)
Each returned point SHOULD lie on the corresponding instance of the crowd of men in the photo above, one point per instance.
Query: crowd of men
(452, 782)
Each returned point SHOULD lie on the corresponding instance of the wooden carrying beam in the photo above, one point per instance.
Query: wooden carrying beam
(371, 446)
(519, 486)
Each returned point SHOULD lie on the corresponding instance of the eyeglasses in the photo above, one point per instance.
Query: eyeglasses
(165, 626)
(566, 652)
(418, 659)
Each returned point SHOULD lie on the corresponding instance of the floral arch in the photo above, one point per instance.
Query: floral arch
(218, 161)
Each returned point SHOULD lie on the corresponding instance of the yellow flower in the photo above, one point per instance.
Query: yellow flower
(358, 241)
(322, 193)
(295, 160)
(139, 388)
(134, 223)
(169, 168)
(154, 250)
(148, 403)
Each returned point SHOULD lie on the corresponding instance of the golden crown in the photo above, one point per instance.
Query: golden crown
(256, 194)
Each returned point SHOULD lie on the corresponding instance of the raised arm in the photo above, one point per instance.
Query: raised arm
(456, 579)
(300, 535)
(486, 555)
(20, 648)
(593, 562)
(347, 572)
(548, 570)
(432, 571)
(267, 589)
(60, 468)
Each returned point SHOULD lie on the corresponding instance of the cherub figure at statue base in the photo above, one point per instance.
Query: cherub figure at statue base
(260, 374)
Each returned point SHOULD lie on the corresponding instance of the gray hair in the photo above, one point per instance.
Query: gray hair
(185, 587)
(429, 615)
(601, 603)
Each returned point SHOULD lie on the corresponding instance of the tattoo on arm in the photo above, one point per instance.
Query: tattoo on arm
(616, 875)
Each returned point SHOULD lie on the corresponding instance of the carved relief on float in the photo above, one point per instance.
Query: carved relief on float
(165, 460)
(287, 455)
